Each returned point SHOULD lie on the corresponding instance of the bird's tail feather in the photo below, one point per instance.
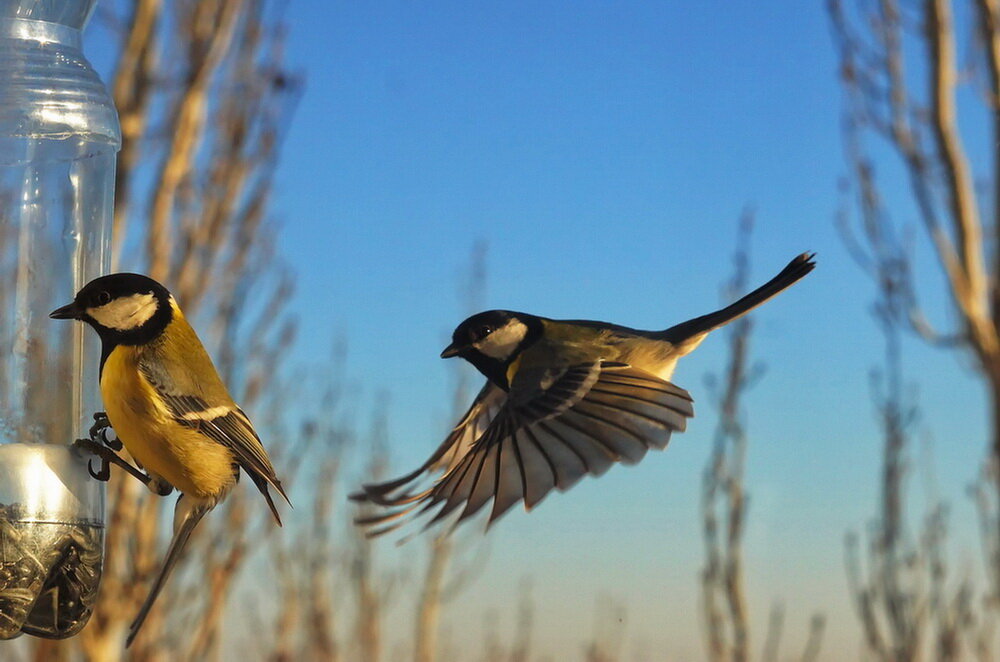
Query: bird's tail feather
(262, 484)
(788, 276)
(181, 537)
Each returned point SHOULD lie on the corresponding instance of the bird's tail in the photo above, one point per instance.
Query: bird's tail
(181, 535)
(699, 326)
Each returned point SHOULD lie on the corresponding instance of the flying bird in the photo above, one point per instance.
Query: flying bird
(562, 399)
(168, 406)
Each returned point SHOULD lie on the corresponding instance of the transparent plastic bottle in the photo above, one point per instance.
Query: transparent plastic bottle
(59, 138)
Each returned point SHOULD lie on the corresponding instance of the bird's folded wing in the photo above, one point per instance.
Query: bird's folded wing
(455, 446)
(553, 428)
(222, 422)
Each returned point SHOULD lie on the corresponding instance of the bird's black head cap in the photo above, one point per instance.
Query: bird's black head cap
(124, 309)
(492, 340)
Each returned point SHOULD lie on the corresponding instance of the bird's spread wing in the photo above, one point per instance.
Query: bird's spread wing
(454, 447)
(550, 430)
(222, 422)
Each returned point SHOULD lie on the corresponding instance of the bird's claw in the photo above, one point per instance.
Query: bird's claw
(103, 475)
(89, 445)
(99, 431)
(108, 457)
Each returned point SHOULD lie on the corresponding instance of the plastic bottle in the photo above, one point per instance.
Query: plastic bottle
(59, 137)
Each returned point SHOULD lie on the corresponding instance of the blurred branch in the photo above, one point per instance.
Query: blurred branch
(900, 594)
(207, 31)
(816, 626)
(724, 500)
(772, 642)
(133, 88)
(879, 44)
(430, 599)
(525, 624)
(722, 489)
(436, 591)
(204, 97)
(609, 632)
(368, 594)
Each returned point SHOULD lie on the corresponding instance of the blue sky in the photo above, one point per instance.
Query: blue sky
(605, 152)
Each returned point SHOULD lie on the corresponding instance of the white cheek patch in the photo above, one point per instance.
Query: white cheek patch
(501, 343)
(126, 313)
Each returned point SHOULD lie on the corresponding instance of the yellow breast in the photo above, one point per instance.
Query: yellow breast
(187, 459)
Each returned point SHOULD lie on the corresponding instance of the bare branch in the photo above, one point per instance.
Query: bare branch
(188, 122)
(968, 277)
(816, 626)
(772, 642)
(722, 487)
(133, 89)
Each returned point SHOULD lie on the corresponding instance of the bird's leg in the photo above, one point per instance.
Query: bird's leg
(108, 457)
(100, 445)
(99, 431)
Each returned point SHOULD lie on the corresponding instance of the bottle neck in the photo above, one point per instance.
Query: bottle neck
(40, 31)
(48, 89)
(68, 13)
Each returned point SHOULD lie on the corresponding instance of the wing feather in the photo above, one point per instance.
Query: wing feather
(566, 464)
(617, 432)
(224, 423)
(510, 481)
(553, 427)
(596, 454)
(455, 493)
(448, 456)
(484, 486)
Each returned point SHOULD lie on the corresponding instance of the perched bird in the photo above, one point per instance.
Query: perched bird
(563, 398)
(168, 406)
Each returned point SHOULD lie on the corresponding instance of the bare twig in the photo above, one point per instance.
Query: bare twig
(722, 486)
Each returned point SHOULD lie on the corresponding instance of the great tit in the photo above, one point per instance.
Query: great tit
(168, 406)
(563, 398)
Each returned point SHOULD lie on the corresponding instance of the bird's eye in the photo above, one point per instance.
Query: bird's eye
(103, 297)
(484, 331)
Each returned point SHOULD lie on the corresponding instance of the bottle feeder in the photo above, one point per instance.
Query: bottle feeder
(59, 138)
